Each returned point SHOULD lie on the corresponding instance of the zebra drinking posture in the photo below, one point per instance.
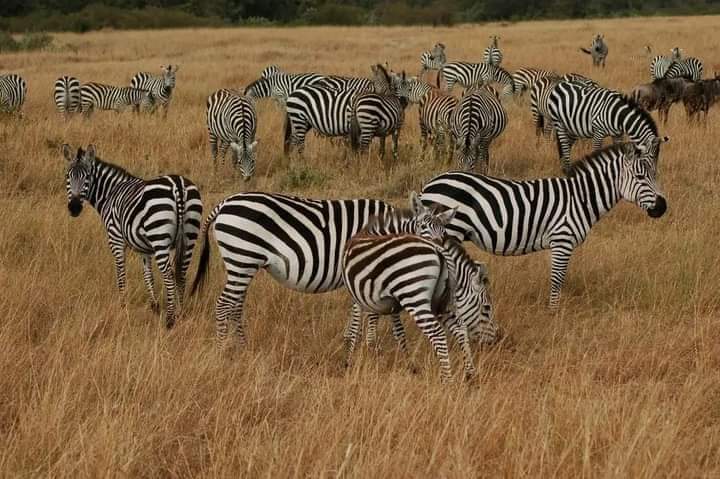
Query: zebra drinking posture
(439, 285)
(579, 112)
(492, 54)
(232, 121)
(524, 78)
(472, 74)
(298, 241)
(160, 87)
(13, 90)
(96, 96)
(151, 217)
(506, 217)
(432, 59)
(598, 50)
(478, 119)
(67, 95)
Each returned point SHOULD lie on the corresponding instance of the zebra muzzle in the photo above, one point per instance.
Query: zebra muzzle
(75, 207)
(659, 209)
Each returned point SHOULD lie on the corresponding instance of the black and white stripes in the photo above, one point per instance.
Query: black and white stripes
(598, 50)
(67, 95)
(492, 54)
(474, 74)
(96, 96)
(13, 91)
(161, 88)
(232, 122)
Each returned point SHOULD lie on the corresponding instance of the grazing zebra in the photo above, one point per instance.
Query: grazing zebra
(436, 108)
(279, 85)
(13, 90)
(580, 112)
(298, 241)
(439, 285)
(318, 107)
(689, 68)
(342, 83)
(469, 74)
(492, 54)
(377, 114)
(432, 59)
(506, 217)
(67, 95)
(160, 87)
(660, 64)
(96, 96)
(598, 50)
(540, 98)
(232, 121)
(151, 217)
(478, 119)
(524, 78)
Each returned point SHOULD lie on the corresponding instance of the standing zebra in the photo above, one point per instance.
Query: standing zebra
(506, 217)
(376, 114)
(106, 97)
(580, 112)
(598, 50)
(540, 98)
(478, 119)
(524, 78)
(232, 121)
(689, 68)
(298, 241)
(660, 64)
(436, 109)
(279, 85)
(432, 59)
(13, 90)
(492, 54)
(439, 285)
(67, 95)
(318, 107)
(470, 74)
(160, 87)
(150, 217)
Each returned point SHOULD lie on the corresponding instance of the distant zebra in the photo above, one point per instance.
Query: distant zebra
(598, 50)
(506, 217)
(417, 89)
(436, 109)
(581, 112)
(540, 98)
(524, 78)
(375, 114)
(689, 68)
(492, 54)
(298, 241)
(96, 96)
(67, 95)
(151, 217)
(13, 91)
(160, 87)
(232, 121)
(660, 64)
(432, 59)
(478, 119)
(279, 85)
(468, 74)
(439, 285)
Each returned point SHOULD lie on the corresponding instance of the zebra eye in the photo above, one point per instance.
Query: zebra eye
(639, 177)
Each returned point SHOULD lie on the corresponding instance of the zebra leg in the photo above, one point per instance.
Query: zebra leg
(371, 338)
(459, 332)
(214, 149)
(150, 283)
(395, 138)
(429, 325)
(351, 333)
(229, 306)
(423, 137)
(398, 332)
(560, 258)
(597, 139)
(118, 251)
(564, 143)
(169, 281)
(381, 140)
(483, 154)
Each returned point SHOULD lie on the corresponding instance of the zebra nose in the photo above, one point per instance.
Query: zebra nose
(75, 207)
(659, 209)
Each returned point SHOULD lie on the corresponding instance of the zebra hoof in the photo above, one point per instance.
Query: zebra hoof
(155, 308)
(169, 323)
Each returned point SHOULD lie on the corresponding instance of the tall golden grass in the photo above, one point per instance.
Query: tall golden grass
(624, 381)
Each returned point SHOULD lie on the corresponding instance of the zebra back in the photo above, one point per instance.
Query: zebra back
(67, 95)
(13, 91)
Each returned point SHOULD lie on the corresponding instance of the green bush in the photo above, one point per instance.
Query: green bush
(31, 41)
(331, 14)
(400, 13)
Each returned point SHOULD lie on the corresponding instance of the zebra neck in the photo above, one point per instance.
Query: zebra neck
(595, 189)
(105, 178)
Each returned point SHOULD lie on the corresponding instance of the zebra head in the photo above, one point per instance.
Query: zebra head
(494, 41)
(270, 71)
(428, 222)
(382, 80)
(473, 305)
(260, 88)
(78, 176)
(675, 53)
(466, 152)
(168, 75)
(244, 157)
(638, 179)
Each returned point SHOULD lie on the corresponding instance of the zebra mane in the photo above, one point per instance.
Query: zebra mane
(387, 221)
(106, 165)
(253, 83)
(594, 157)
(641, 111)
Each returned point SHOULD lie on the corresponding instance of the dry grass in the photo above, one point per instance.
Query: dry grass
(623, 382)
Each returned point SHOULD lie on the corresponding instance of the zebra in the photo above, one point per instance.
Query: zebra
(540, 96)
(270, 71)
(13, 91)
(417, 89)
(298, 241)
(660, 64)
(598, 50)
(524, 78)
(492, 54)
(377, 114)
(689, 68)
(232, 121)
(439, 285)
(580, 112)
(67, 95)
(106, 97)
(318, 107)
(432, 59)
(151, 217)
(160, 87)
(506, 217)
(478, 119)
(279, 85)
(342, 83)
(436, 108)
(469, 74)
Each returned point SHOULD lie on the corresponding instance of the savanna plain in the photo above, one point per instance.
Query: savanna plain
(623, 381)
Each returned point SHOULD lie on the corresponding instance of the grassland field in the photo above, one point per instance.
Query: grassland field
(623, 381)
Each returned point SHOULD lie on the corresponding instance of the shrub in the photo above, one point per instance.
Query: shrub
(31, 41)
(331, 14)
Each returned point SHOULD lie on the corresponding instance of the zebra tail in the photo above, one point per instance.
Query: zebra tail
(180, 242)
(204, 264)
(585, 50)
(354, 131)
(288, 133)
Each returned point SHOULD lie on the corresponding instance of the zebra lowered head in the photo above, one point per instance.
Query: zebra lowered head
(637, 181)
(244, 156)
(78, 177)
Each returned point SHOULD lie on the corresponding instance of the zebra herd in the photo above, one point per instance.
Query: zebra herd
(388, 259)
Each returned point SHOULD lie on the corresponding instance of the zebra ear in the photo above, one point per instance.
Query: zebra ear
(90, 153)
(416, 205)
(237, 147)
(482, 270)
(252, 145)
(447, 216)
(67, 152)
